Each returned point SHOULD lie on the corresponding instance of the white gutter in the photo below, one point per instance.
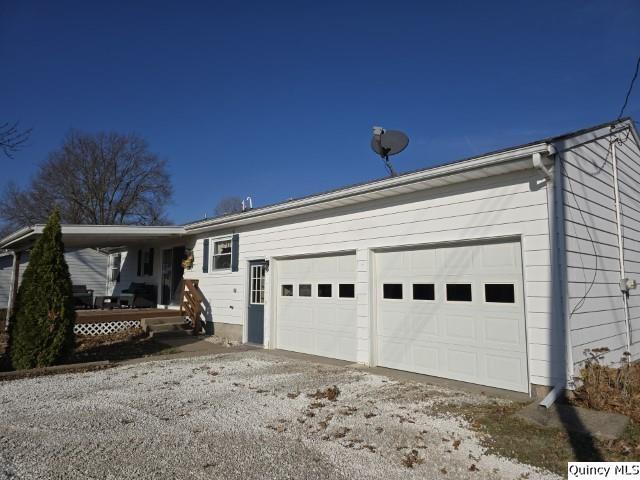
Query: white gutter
(623, 279)
(122, 230)
(406, 179)
(16, 235)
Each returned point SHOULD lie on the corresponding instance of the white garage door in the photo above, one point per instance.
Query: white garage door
(454, 312)
(316, 306)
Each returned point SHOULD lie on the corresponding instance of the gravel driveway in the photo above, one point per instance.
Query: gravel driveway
(241, 415)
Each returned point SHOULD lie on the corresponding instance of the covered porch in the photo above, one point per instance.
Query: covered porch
(144, 276)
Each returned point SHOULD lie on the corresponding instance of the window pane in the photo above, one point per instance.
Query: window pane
(347, 290)
(324, 289)
(499, 293)
(221, 262)
(287, 290)
(424, 291)
(222, 247)
(459, 292)
(392, 291)
(304, 290)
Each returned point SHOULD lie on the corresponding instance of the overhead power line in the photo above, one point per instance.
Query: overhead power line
(633, 80)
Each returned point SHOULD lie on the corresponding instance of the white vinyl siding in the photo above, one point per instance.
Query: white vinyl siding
(86, 266)
(592, 256)
(6, 264)
(510, 205)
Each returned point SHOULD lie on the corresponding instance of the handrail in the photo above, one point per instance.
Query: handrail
(191, 305)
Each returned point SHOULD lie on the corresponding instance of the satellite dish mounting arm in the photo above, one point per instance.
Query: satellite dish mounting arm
(384, 152)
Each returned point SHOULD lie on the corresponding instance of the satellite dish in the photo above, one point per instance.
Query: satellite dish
(388, 142)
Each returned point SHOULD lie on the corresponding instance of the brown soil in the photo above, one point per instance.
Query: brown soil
(130, 343)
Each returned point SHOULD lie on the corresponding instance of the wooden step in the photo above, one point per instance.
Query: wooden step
(154, 322)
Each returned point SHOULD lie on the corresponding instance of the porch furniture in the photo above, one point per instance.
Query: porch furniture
(144, 295)
(126, 300)
(82, 296)
(106, 301)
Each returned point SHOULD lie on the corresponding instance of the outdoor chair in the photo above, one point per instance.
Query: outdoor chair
(144, 295)
(82, 296)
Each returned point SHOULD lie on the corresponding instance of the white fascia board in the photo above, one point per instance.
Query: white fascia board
(17, 235)
(407, 179)
(123, 231)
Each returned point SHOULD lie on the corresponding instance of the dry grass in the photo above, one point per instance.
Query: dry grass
(608, 388)
(506, 435)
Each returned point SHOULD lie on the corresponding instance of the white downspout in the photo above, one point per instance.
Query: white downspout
(558, 270)
(623, 282)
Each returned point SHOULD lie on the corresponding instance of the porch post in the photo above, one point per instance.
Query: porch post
(13, 287)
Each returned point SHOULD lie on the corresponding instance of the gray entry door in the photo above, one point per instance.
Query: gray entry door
(255, 324)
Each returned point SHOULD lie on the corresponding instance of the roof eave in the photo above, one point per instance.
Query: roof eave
(407, 179)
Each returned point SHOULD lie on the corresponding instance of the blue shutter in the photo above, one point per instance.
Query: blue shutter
(205, 256)
(139, 262)
(235, 250)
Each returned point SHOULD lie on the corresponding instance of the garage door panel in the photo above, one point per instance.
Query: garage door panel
(501, 256)
(461, 328)
(501, 332)
(463, 362)
(336, 318)
(293, 338)
(426, 358)
(325, 326)
(423, 262)
(478, 341)
(396, 354)
(454, 260)
(297, 316)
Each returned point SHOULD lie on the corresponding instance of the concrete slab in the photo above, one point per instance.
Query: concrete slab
(603, 425)
(448, 383)
(188, 350)
(408, 376)
(308, 358)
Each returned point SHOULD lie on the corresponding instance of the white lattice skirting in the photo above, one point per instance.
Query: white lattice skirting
(104, 328)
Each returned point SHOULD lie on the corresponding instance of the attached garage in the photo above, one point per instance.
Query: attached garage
(316, 305)
(454, 311)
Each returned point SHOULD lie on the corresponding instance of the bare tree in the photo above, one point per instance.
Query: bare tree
(228, 205)
(101, 179)
(12, 138)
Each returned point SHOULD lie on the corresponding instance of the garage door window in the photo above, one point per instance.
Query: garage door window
(499, 293)
(287, 290)
(424, 291)
(347, 290)
(324, 290)
(392, 291)
(458, 292)
(304, 290)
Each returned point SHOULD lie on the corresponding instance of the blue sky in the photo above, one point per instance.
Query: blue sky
(277, 99)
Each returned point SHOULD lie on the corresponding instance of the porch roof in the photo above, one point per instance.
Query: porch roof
(95, 236)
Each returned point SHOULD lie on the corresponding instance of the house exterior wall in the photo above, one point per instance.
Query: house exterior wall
(595, 307)
(6, 262)
(129, 265)
(510, 205)
(86, 266)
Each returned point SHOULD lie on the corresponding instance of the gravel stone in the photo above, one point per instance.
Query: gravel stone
(245, 415)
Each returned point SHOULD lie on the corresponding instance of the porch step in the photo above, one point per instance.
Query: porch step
(182, 333)
(154, 323)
